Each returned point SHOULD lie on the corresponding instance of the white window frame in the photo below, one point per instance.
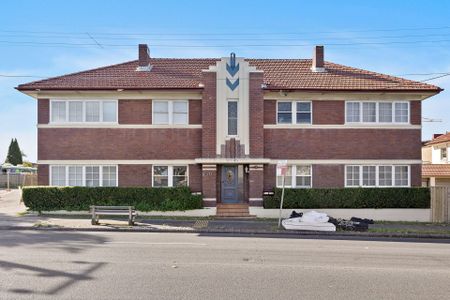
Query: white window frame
(377, 184)
(169, 174)
(294, 112)
(67, 101)
(170, 111)
(84, 173)
(377, 112)
(294, 177)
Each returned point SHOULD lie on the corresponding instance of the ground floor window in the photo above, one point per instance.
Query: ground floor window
(91, 176)
(297, 176)
(377, 176)
(169, 176)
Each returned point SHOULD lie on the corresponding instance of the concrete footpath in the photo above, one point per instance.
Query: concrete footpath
(13, 216)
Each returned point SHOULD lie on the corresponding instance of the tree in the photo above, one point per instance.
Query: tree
(14, 156)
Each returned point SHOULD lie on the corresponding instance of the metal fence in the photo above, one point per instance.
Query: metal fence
(16, 180)
(440, 204)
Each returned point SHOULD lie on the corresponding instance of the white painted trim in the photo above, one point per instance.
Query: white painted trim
(377, 113)
(351, 161)
(342, 126)
(170, 111)
(232, 160)
(118, 162)
(115, 94)
(294, 176)
(347, 95)
(66, 170)
(118, 126)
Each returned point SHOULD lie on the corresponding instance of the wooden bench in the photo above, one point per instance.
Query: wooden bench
(113, 211)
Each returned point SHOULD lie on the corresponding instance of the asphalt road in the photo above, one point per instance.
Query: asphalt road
(113, 265)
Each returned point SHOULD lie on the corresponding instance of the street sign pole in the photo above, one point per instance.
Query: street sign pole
(282, 169)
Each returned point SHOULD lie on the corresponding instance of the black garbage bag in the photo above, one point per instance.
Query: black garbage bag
(295, 214)
(356, 219)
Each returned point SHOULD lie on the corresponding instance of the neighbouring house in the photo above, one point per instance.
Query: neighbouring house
(436, 161)
(220, 125)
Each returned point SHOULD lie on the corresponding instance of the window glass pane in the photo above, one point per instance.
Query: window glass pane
(369, 175)
(161, 112)
(401, 112)
(284, 112)
(232, 117)
(58, 175)
(160, 176)
(75, 111)
(352, 112)
(180, 115)
(109, 176)
(109, 111)
(75, 176)
(92, 111)
(401, 175)
(385, 175)
(92, 176)
(303, 178)
(303, 118)
(369, 112)
(288, 178)
(179, 176)
(58, 111)
(443, 153)
(303, 106)
(352, 173)
(385, 112)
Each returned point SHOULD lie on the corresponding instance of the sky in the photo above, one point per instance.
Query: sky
(41, 39)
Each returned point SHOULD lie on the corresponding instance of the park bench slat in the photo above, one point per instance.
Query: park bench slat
(113, 210)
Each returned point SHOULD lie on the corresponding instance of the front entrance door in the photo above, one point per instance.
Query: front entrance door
(230, 186)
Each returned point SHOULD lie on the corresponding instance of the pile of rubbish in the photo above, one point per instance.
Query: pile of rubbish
(317, 221)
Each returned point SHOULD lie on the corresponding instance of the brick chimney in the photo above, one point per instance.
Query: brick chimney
(318, 59)
(144, 58)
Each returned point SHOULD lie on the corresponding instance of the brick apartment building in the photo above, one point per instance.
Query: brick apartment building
(220, 126)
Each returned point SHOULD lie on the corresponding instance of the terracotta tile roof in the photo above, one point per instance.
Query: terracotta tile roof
(440, 139)
(171, 73)
(434, 170)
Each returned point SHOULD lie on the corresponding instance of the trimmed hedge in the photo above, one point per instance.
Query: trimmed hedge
(80, 198)
(350, 198)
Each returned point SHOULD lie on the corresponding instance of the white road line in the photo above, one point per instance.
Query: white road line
(169, 244)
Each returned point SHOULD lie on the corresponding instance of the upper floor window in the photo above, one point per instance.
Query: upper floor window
(78, 111)
(376, 112)
(232, 117)
(169, 112)
(294, 112)
(444, 153)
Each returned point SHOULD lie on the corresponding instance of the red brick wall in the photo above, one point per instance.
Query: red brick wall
(270, 111)
(135, 175)
(256, 108)
(416, 175)
(342, 143)
(328, 176)
(416, 112)
(209, 115)
(269, 177)
(195, 112)
(195, 178)
(328, 112)
(256, 185)
(43, 111)
(135, 111)
(209, 186)
(115, 143)
(43, 175)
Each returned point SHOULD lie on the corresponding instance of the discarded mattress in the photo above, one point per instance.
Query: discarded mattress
(297, 224)
(311, 220)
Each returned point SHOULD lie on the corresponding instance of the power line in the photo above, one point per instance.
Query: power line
(235, 33)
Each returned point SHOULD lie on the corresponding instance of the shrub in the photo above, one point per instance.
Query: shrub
(350, 198)
(80, 198)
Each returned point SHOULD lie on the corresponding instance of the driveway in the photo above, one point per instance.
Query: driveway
(11, 208)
